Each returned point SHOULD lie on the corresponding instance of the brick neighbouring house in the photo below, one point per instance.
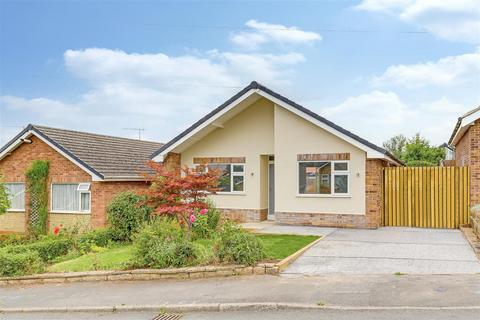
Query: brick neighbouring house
(105, 165)
(465, 140)
(283, 161)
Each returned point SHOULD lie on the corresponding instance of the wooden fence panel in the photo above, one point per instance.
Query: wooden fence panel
(427, 197)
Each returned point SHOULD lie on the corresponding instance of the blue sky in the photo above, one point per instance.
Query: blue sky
(376, 67)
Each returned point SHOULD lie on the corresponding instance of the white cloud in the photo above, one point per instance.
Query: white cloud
(457, 20)
(379, 115)
(159, 92)
(265, 32)
(449, 71)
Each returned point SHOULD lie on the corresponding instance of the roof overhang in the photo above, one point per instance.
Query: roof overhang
(462, 126)
(23, 136)
(243, 99)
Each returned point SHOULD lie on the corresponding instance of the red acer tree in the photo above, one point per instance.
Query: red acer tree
(180, 194)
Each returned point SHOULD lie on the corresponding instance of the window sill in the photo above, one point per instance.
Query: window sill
(231, 193)
(323, 195)
(70, 212)
(16, 211)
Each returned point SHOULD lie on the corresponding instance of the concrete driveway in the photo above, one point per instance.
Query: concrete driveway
(388, 251)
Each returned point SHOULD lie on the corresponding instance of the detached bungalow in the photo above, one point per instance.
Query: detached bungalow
(86, 171)
(282, 161)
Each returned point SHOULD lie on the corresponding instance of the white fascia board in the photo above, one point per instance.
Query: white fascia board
(469, 120)
(160, 157)
(29, 134)
(14, 145)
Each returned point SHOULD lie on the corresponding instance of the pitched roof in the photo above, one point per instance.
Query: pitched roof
(256, 86)
(458, 125)
(107, 157)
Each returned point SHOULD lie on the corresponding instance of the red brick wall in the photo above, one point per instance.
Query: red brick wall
(474, 163)
(467, 153)
(62, 170)
(462, 151)
(374, 192)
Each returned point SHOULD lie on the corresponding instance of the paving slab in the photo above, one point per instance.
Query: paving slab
(388, 251)
(270, 227)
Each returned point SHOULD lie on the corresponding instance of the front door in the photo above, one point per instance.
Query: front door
(271, 191)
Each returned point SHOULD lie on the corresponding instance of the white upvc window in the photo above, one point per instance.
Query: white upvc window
(16, 196)
(232, 176)
(323, 178)
(71, 198)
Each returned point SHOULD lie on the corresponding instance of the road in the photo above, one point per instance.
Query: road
(265, 315)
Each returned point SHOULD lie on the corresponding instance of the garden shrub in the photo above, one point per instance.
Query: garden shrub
(12, 239)
(97, 237)
(234, 245)
(4, 201)
(18, 264)
(47, 249)
(37, 175)
(206, 225)
(162, 244)
(126, 214)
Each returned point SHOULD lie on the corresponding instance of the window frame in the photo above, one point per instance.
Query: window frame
(232, 174)
(79, 200)
(24, 197)
(333, 173)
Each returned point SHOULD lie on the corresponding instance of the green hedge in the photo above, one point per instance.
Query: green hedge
(12, 239)
(48, 249)
(18, 264)
(97, 237)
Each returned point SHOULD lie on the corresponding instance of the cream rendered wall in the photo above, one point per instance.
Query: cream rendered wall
(309, 138)
(249, 134)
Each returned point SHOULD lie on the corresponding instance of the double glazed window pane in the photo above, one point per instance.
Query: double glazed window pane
(231, 177)
(66, 197)
(341, 183)
(314, 177)
(85, 202)
(224, 181)
(16, 195)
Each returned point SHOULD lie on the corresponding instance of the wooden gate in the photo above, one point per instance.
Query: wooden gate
(429, 197)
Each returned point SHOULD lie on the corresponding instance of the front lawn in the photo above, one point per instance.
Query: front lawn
(113, 258)
(280, 246)
(277, 247)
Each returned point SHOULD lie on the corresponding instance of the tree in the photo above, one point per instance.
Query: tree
(181, 195)
(4, 201)
(416, 151)
(396, 145)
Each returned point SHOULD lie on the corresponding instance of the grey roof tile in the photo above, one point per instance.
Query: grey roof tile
(106, 156)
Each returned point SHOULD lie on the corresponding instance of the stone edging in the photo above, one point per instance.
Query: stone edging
(222, 307)
(144, 274)
(472, 239)
(156, 274)
(282, 265)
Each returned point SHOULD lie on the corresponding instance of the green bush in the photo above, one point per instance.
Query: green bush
(97, 237)
(206, 225)
(234, 245)
(12, 239)
(48, 248)
(126, 214)
(18, 264)
(37, 186)
(4, 201)
(162, 244)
